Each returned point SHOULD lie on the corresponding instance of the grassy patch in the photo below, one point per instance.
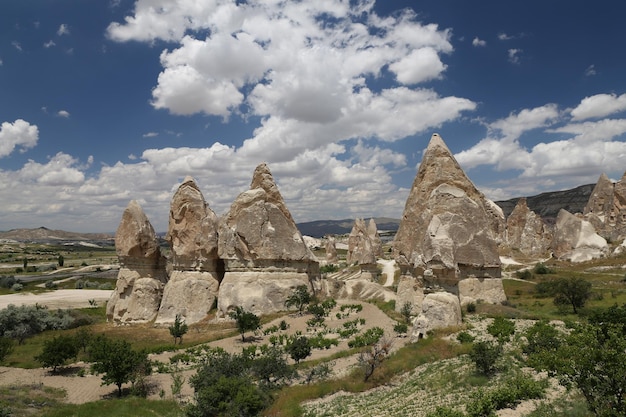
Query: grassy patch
(124, 407)
(288, 400)
(28, 400)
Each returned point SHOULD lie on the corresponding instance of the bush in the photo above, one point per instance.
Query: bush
(524, 274)
(50, 284)
(7, 281)
(502, 329)
(22, 322)
(464, 337)
(178, 329)
(369, 338)
(299, 348)
(541, 269)
(485, 356)
(17, 287)
(401, 328)
(57, 351)
(471, 307)
(325, 269)
(6, 347)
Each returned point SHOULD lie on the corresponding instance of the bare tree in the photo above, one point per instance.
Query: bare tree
(373, 356)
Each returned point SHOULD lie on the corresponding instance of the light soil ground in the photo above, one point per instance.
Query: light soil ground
(88, 388)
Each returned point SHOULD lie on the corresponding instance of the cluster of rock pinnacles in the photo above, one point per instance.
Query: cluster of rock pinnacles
(254, 256)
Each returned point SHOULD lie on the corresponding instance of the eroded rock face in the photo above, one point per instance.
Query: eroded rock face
(410, 290)
(448, 226)
(360, 250)
(439, 310)
(258, 240)
(606, 208)
(192, 289)
(490, 291)
(140, 280)
(331, 251)
(576, 240)
(526, 231)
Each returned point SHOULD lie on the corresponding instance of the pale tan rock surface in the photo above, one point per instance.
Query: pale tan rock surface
(606, 208)
(258, 240)
(364, 243)
(487, 290)
(331, 250)
(526, 231)
(192, 289)
(448, 226)
(576, 240)
(410, 290)
(142, 275)
(439, 310)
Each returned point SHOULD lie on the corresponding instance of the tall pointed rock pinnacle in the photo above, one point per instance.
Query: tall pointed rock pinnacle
(448, 226)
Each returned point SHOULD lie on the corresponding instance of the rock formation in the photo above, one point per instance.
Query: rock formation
(195, 268)
(360, 249)
(448, 226)
(410, 290)
(486, 290)
(576, 240)
(142, 274)
(264, 254)
(526, 231)
(606, 208)
(331, 251)
(447, 240)
(439, 310)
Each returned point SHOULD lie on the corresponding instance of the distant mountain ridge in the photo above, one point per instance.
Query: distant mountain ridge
(547, 205)
(44, 234)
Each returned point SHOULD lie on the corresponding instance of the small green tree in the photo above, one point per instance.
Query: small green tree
(485, 356)
(57, 351)
(246, 321)
(117, 361)
(61, 260)
(223, 387)
(178, 329)
(572, 291)
(406, 310)
(299, 348)
(299, 299)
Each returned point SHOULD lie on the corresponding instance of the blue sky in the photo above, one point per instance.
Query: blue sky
(104, 102)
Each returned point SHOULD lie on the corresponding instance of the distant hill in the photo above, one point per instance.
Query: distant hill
(319, 228)
(43, 234)
(547, 205)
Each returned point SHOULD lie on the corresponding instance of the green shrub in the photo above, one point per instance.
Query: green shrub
(369, 338)
(464, 337)
(485, 356)
(524, 274)
(400, 328)
(501, 328)
(470, 307)
(541, 269)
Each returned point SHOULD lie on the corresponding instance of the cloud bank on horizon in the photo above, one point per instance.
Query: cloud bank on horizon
(338, 97)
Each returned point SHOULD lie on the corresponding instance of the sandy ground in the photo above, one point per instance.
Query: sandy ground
(88, 388)
(57, 299)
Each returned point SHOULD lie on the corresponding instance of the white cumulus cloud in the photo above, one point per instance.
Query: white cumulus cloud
(599, 105)
(20, 134)
(479, 42)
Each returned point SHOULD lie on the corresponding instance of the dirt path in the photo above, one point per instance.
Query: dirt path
(57, 298)
(389, 269)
